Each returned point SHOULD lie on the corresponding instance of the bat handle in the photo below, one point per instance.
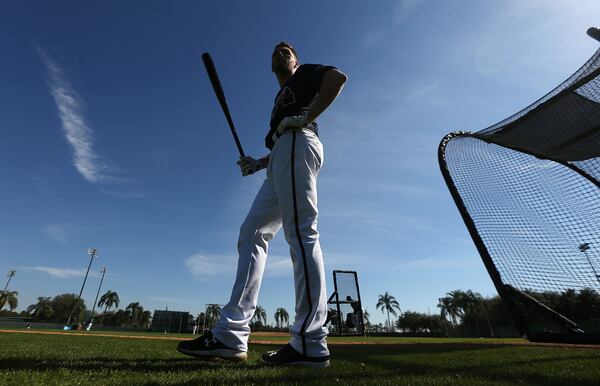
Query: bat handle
(242, 154)
(594, 33)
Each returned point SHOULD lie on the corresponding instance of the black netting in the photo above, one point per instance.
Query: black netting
(592, 65)
(528, 189)
(346, 285)
(345, 308)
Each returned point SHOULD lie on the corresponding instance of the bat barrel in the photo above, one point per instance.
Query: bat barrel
(216, 84)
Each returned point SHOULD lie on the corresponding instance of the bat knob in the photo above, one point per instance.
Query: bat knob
(594, 32)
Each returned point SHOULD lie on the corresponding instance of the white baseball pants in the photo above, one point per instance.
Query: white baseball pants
(287, 198)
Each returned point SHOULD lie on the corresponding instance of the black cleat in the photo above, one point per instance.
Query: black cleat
(287, 356)
(207, 346)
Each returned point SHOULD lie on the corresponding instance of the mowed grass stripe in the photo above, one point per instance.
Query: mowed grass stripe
(37, 359)
(276, 338)
(266, 338)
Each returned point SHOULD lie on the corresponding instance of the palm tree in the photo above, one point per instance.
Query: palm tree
(366, 321)
(459, 302)
(108, 300)
(213, 312)
(260, 315)
(9, 297)
(42, 309)
(389, 304)
(281, 316)
(366, 316)
(134, 309)
(447, 309)
(121, 318)
(474, 303)
(201, 320)
(145, 317)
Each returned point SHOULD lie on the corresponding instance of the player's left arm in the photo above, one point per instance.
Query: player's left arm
(331, 87)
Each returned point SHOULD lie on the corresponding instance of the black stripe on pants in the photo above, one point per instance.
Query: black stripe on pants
(296, 223)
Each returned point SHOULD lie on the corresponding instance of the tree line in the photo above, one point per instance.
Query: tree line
(206, 320)
(58, 309)
(461, 313)
(467, 313)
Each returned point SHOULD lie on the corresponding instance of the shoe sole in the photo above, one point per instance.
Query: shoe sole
(320, 365)
(236, 356)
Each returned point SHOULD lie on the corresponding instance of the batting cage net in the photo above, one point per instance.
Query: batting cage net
(345, 314)
(529, 193)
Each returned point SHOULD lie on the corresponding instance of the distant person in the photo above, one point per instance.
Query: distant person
(353, 318)
(288, 198)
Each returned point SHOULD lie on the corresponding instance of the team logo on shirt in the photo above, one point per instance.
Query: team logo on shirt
(285, 98)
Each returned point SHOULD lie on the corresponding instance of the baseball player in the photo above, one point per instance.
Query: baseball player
(288, 199)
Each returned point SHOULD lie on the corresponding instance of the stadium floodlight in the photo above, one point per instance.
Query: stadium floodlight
(527, 187)
(103, 272)
(93, 252)
(583, 248)
(10, 275)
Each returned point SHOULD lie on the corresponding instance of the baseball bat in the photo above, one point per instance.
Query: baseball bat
(214, 80)
(594, 32)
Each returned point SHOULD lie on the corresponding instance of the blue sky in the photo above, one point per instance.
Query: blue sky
(110, 137)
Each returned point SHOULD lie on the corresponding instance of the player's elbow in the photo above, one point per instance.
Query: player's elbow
(343, 77)
(335, 78)
(340, 78)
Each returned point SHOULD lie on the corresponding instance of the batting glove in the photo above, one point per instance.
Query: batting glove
(249, 165)
(293, 122)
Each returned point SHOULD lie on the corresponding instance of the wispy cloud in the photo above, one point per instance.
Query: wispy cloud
(119, 194)
(202, 265)
(424, 92)
(41, 184)
(57, 232)
(379, 219)
(439, 262)
(341, 184)
(77, 131)
(279, 265)
(372, 37)
(403, 10)
(61, 273)
(399, 14)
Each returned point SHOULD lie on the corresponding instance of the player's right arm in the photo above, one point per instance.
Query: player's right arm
(249, 165)
(331, 85)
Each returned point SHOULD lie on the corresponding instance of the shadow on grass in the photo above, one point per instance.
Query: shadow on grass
(122, 364)
(389, 361)
(424, 363)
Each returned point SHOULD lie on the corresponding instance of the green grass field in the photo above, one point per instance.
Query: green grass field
(34, 359)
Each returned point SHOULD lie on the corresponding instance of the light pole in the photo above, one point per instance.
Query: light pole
(584, 248)
(10, 275)
(93, 253)
(102, 271)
